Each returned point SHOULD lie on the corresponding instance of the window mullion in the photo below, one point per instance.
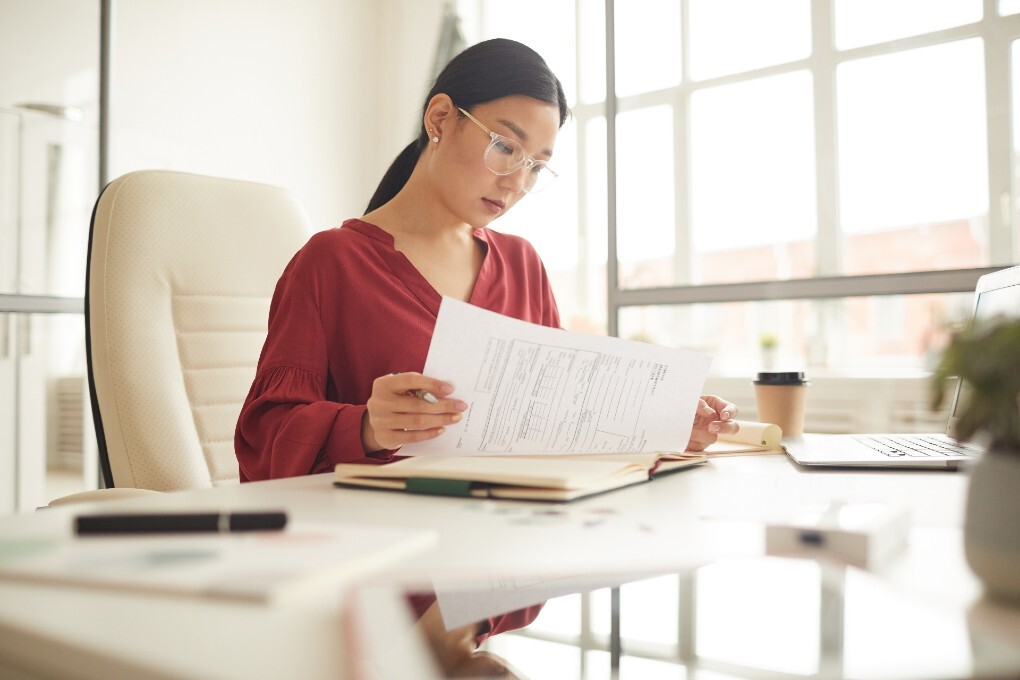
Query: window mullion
(828, 244)
(584, 263)
(1001, 235)
(683, 253)
(612, 264)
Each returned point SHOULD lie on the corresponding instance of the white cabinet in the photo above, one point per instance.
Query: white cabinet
(8, 416)
(23, 413)
(47, 445)
(49, 102)
(10, 123)
(47, 188)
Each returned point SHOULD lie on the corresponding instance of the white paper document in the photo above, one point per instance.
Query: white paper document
(258, 566)
(538, 390)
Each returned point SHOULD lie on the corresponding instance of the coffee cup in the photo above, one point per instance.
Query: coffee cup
(781, 398)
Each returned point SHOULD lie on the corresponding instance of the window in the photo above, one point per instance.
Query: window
(763, 34)
(645, 196)
(900, 334)
(913, 162)
(1015, 146)
(752, 181)
(852, 164)
(866, 22)
(647, 32)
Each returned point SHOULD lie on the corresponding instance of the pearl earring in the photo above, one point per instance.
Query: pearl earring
(436, 139)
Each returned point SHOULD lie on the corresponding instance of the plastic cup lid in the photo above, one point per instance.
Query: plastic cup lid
(788, 378)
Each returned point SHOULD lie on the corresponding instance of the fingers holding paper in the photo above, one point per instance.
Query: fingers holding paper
(714, 417)
(407, 407)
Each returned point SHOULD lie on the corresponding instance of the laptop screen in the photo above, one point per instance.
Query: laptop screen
(1003, 299)
(997, 294)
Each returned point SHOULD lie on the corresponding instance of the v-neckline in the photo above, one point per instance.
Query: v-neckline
(409, 275)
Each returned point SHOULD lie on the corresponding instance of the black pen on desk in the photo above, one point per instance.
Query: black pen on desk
(175, 523)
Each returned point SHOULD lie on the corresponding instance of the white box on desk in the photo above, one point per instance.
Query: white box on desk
(861, 534)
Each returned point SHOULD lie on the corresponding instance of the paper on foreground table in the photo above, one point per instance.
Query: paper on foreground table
(254, 567)
(546, 391)
(752, 438)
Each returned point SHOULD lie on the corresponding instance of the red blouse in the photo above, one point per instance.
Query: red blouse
(349, 308)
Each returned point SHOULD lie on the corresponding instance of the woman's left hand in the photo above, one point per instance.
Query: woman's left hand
(713, 418)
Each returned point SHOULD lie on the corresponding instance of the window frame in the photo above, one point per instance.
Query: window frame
(997, 34)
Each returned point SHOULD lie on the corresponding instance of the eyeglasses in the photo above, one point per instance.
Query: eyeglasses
(505, 156)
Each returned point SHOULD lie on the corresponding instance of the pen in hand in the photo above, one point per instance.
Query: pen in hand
(422, 394)
(425, 395)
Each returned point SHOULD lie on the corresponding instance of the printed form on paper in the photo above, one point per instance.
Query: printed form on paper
(538, 390)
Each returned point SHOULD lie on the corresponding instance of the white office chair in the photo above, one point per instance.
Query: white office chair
(181, 270)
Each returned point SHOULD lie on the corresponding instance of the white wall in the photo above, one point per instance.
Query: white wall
(410, 32)
(312, 95)
(241, 88)
(315, 95)
(48, 54)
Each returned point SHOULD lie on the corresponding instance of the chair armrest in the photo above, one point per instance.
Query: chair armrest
(101, 495)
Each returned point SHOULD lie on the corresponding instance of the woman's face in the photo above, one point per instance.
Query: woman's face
(471, 191)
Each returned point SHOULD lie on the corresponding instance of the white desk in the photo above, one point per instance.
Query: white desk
(682, 520)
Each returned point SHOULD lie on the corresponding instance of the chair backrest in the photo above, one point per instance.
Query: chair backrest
(181, 270)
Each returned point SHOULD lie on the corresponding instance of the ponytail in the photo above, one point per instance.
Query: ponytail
(397, 175)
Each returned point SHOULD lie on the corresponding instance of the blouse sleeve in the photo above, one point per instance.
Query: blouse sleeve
(287, 427)
(515, 620)
(493, 625)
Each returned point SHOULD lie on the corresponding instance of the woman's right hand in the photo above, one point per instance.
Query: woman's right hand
(396, 416)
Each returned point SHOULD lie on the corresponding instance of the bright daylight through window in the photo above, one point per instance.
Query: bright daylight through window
(793, 184)
(835, 149)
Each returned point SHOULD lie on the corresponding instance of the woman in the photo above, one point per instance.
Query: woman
(353, 313)
(352, 316)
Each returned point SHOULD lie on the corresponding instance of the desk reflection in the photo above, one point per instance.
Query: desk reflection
(757, 618)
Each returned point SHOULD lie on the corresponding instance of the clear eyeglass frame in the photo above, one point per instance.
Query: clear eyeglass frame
(505, 156)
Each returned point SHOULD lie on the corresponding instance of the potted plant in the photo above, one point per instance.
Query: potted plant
(768, 342)
(987, 359)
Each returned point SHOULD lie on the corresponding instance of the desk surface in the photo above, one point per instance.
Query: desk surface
(677, 522)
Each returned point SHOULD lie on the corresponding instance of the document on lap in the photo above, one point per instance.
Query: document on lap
(538, 390)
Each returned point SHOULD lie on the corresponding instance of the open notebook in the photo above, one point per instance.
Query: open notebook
(540, 478)
(545, 477)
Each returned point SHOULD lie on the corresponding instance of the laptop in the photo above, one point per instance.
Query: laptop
(997, 293)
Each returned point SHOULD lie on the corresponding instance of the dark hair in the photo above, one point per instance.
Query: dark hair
(484, 72)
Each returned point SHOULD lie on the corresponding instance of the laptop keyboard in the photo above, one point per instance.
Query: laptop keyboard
(915, 446)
